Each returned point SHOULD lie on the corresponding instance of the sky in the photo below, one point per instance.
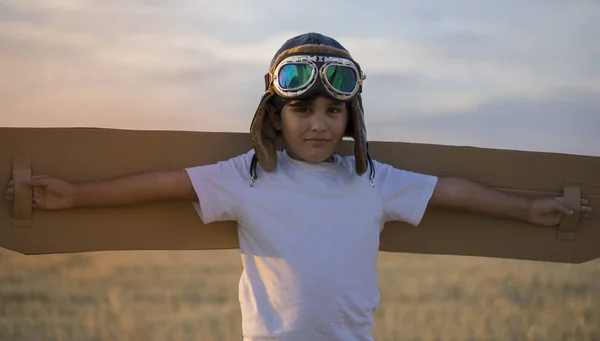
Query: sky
(514, 74)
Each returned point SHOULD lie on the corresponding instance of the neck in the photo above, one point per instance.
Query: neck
(296, 157)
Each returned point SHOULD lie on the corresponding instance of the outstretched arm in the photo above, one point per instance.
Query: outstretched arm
(469, 195)
(56, 193)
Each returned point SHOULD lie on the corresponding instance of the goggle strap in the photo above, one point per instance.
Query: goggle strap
(268, 80)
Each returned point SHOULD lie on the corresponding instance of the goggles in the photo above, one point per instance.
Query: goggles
(301, 76)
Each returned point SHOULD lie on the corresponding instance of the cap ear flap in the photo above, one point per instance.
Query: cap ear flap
(264, 135)
(360, 136)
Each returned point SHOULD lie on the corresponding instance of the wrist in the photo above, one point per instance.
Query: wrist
(527, 209)
(75, 195)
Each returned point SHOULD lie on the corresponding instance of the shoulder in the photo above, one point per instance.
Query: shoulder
(382, 169)
(241, 159)
(405, 193)
(235, 166)
(388, 176)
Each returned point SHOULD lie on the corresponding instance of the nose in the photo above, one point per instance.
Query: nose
(318, 121)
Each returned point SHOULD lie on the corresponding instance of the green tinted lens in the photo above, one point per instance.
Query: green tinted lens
(293, 76)
(341, 78)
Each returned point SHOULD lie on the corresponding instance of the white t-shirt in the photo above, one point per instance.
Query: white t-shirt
(309, 240)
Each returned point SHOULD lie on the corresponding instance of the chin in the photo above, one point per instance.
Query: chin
(311, 152)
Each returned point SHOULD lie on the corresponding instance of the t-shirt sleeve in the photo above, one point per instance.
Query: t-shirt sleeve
(221, 187)
(405, 195)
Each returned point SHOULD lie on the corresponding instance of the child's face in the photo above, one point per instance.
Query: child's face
(313, 131)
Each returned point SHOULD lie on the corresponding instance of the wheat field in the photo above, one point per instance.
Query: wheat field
(192, 295)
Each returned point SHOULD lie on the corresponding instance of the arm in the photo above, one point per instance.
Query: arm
(468, 195)
(56, 193)
(134, 189)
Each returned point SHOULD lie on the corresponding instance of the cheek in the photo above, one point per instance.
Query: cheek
(292, 124)
(339, 123)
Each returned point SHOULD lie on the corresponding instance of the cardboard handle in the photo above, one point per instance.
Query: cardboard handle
(22, 205)
(572, 199)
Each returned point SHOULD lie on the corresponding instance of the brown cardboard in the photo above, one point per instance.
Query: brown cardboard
(82, 154)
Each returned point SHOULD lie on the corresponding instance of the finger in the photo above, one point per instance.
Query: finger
(563, 209)
(37, 202)
(37, 196)
(10, 190)
(11, 183)
(38, 180)
(584, 202)
(9, 198)
(586, 209)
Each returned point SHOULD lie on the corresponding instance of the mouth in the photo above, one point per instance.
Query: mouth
(317, 142)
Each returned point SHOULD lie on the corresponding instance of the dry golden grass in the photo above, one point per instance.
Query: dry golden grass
(192, 295)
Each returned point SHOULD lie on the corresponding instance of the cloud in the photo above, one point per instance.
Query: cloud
(565, 122)
(234, 11)
(198, 65)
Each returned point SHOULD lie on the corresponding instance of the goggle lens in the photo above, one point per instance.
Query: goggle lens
(293, 76)
(341, 78)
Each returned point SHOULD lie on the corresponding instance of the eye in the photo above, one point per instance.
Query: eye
(302, 110)
(334, 110)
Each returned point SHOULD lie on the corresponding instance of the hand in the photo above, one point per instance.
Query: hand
(49, 193)
(549, 211)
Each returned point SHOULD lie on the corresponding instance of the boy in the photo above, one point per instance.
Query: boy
(308, 219)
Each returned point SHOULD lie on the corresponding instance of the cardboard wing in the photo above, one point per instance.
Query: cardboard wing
(82, 154)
